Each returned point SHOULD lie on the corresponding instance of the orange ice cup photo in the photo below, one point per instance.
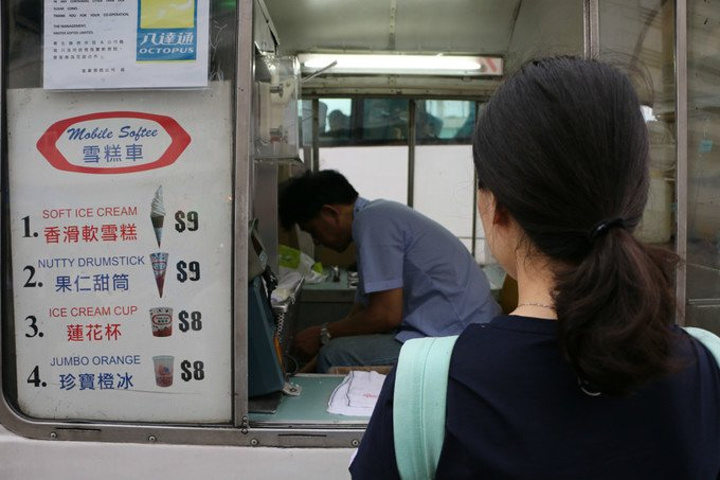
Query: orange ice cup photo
(163, 365)
(159, 266)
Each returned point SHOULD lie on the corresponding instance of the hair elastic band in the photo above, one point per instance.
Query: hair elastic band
(588, 388)
(603, 227)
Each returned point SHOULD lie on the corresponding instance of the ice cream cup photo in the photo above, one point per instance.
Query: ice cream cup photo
(161, 321)
(163, 370)
(159, 265)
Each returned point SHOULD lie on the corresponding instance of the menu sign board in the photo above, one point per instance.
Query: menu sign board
(125, 44)
(121, 213)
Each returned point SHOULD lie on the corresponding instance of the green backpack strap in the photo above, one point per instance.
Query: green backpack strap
(421, 379)
(709, 339)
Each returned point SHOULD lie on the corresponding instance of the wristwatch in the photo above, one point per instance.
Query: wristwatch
(325, 336)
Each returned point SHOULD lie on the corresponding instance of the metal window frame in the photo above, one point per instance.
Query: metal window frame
(681, 132)
(591, 28)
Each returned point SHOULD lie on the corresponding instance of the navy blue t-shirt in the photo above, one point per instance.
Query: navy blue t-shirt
(514, 411)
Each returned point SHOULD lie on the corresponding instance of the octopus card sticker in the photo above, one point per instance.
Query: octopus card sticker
(167, 31)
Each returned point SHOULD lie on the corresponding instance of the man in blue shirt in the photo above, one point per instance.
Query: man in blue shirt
(416, 279)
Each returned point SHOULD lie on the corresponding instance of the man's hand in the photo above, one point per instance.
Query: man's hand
(307, 341)
(383, 313)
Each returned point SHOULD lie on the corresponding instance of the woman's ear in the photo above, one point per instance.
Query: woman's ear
(490, 210)
(485, 202)
(501, 215)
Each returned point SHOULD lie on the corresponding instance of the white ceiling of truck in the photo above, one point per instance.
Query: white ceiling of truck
(458, 26)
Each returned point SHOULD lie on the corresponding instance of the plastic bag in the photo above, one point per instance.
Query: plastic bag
(293, 260)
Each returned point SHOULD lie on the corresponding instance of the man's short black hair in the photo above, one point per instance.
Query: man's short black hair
(302, 197)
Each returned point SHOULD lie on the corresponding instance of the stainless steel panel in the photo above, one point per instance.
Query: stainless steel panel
(265, 203)
(704, 316)
(243, 195)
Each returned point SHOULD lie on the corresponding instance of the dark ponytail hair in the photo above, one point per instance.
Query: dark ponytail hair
(563, 147)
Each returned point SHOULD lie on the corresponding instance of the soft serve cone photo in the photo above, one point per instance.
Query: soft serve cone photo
(157, 214)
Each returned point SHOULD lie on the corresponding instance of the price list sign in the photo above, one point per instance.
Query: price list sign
(121, 240)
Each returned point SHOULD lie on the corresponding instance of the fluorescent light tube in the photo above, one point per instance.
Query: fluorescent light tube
(402, 64)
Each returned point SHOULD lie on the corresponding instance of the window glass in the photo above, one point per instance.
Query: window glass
(444, 187)
(335, 120)
(703, 188)
(374, 171)
(384, 120)
(368, 121)
(450, 121)
(637, 36)
(359, 137)
(305, 114)
(443, 183)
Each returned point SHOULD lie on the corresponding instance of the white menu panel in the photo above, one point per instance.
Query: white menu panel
(121, 234)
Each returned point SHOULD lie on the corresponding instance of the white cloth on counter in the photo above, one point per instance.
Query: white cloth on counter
(357, 394)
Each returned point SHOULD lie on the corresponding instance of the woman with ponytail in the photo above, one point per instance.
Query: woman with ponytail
(588, 378)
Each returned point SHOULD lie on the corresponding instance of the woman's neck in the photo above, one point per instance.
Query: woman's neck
(535, 284)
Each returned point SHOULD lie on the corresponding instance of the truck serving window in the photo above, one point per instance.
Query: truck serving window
(144, 291)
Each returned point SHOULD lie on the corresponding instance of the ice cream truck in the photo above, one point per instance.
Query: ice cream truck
(146, 319)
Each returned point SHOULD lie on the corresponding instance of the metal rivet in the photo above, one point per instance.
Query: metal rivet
(355, 442)
(254, 442)
(152, 439)
(53, 435)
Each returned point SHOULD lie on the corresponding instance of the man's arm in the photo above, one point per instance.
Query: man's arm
(382, 314)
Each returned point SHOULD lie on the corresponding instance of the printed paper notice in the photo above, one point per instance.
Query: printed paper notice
(117, 44)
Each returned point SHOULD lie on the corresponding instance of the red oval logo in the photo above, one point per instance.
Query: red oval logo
(113, 142)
